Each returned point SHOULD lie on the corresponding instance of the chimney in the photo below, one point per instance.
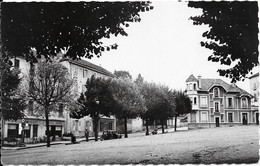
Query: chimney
(199, 78)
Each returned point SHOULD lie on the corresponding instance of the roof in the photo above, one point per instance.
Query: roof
(207, 84)
(255, 75)
(91, 66)
(191, 79)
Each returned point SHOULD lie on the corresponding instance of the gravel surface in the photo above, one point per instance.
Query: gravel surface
(218, 145)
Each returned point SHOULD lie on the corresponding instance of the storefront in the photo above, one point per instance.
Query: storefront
(34, 129)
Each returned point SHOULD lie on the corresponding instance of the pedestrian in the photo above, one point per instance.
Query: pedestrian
(86, 134)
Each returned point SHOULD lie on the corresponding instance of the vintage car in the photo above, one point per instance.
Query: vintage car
(110, 134)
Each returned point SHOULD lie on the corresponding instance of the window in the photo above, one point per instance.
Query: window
(16, 63)
(216, 92)
(211, 110)
(190, 87)
(216, 106)
(255, 98)
(27, 132)
(195, 100)
(35, 131)
(244, 102)
(61, 107)
(75, 71)
(58, 130)
(203, 101)
(211, 96)
(222, 117)
(191, 100)
(230, 102)
(204, 116)
(75, 125)
(85, 72)
(230, 117)
(12, 130)
(194, 86)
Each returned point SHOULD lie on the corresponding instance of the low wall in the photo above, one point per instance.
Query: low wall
(211, 125)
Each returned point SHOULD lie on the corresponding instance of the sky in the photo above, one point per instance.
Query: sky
(164, 48)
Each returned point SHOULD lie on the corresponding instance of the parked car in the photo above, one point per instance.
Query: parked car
(110, 134)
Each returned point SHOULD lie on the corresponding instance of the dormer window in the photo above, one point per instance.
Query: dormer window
(190, 87)
(216, 92)
(194, 86)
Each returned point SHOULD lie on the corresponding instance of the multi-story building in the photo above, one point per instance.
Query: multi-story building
(254, 90)
(81, 70)
(60, 122)
(216, 103)
(35, 128)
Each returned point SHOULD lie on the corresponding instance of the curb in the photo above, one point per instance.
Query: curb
(42, 145)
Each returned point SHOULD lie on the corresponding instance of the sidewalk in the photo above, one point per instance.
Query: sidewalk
(83, 139)
(45, 144)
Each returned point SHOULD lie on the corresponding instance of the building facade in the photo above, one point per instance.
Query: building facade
(60, 122)
(35, 125)
(216, 103)
(254, 90)
(81, 70)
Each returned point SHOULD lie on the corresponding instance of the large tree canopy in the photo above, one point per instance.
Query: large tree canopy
(13, 103)
(78, 26)
(233, 35)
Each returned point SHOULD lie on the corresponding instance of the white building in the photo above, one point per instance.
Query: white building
(254, 90)
(60, 123)
(81, 70)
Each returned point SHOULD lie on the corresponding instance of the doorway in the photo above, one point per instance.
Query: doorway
(53, 133)
(257, 118)
(244, 118)
(217, 121)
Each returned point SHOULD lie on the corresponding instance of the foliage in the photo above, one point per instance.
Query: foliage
(97, 90)
(13, 103)
(51, 87)
(129, 101)
(233, 35)
(139, 80)
(76, 27)
(183, 103)
(123, 74)
(128, 98)
(96, 101)
(159, 105)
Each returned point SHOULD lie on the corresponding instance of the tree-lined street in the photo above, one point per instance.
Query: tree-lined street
(219, 145)
(77, 96)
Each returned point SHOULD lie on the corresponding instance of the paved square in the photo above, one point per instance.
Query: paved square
(217, 145)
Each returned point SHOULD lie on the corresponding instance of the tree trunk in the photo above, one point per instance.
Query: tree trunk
(126, 136)
(175, 123)
(31, 75)
(162, 126)
(47, 127)
(147, 128)
(2, 130)
(96, 127)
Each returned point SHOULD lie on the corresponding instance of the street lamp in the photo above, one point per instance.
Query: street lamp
(23, 125)
(96, 118)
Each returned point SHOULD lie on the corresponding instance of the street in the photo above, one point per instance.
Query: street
(238, 144)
